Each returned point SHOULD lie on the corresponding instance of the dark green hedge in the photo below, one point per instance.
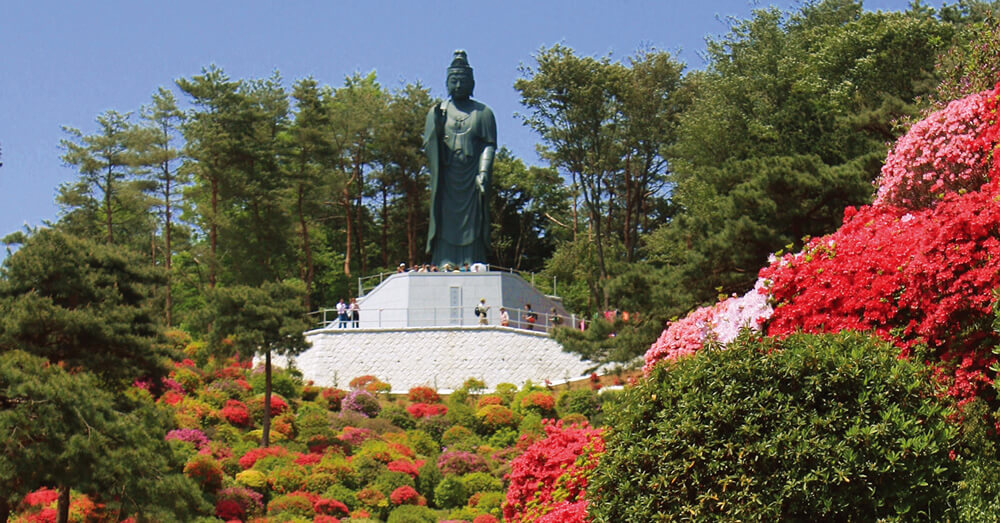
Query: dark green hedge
(830, 427)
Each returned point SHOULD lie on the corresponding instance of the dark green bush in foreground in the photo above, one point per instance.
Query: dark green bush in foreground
(830, 427)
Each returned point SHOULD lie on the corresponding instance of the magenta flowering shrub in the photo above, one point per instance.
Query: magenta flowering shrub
(459, 462)
(362, 402)
(938, 154)
(193, 436)
(355, 436)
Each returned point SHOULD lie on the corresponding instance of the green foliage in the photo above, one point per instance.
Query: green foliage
(283, 382)
(428, 478)
(506, 391)
(605, 125)
(422, 443)
(531, 424)
(578, 401)
(73, 433)
(412, 514)
(788, 125)
(109, 202)
(262, 319)
(460, 413)
(397, 415)
(460, 437)
(978, 496)
(503, 438)
(972, 63)
(450, 492)
(84, 304)
(819, 427)
(481, 482)
(523, 200)
(312, 420)
(390, 480)
(342, 494)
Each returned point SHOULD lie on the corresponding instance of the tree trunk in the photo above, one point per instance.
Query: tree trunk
(62, 515)
(107, 207)
(413, 205)
(4, 509)
(309, 270)
(349, 219)
(385, 226)
(358, 229)
(265, 440)
(168, 255)
(627, 237)
(213, 233)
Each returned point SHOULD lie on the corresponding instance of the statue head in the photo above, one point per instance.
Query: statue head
(460, 80)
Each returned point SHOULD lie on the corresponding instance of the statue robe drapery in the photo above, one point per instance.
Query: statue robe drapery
(455, 140)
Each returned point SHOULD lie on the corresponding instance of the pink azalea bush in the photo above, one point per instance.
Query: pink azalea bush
(720, 322)
(939, 154)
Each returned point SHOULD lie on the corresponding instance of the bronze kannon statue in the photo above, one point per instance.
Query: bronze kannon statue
(460, 140)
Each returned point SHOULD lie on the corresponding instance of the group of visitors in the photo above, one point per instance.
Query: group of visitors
(475, 267)
(528, 317)
(351, 313)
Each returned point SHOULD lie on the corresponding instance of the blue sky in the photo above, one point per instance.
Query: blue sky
(63, 63)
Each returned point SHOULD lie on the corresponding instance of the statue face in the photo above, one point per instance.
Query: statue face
(460, 85)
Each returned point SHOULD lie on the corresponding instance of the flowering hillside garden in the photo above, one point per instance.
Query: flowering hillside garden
(917, 267)
(360, 454)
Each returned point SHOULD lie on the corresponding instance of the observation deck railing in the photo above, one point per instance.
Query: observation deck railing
(367, 283)
(397, 318)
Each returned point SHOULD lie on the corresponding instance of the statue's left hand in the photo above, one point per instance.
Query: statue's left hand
(481, 182)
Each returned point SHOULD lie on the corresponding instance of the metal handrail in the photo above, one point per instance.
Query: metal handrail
(402, 317)
(364, 287)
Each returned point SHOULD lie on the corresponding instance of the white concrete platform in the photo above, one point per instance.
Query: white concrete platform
(438, 357)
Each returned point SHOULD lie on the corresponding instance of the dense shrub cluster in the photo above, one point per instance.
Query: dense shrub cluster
(832, 427)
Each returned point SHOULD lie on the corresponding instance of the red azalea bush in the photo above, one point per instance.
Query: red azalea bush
(355, 436)
(405, 495)
(403, 466)
(424, 410)
(253, 455)
(566, 512)
(550, 472)
(329, 507)
(238, 503)
(423, 395)
(333, 398)
(42, 496)
(236, 413)
(489, 399)
(308, 459)
(542, 402)
(278, 404)
(919, 266)
(920, 277)
(495, 417)
(229, 510)
(205, 471)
